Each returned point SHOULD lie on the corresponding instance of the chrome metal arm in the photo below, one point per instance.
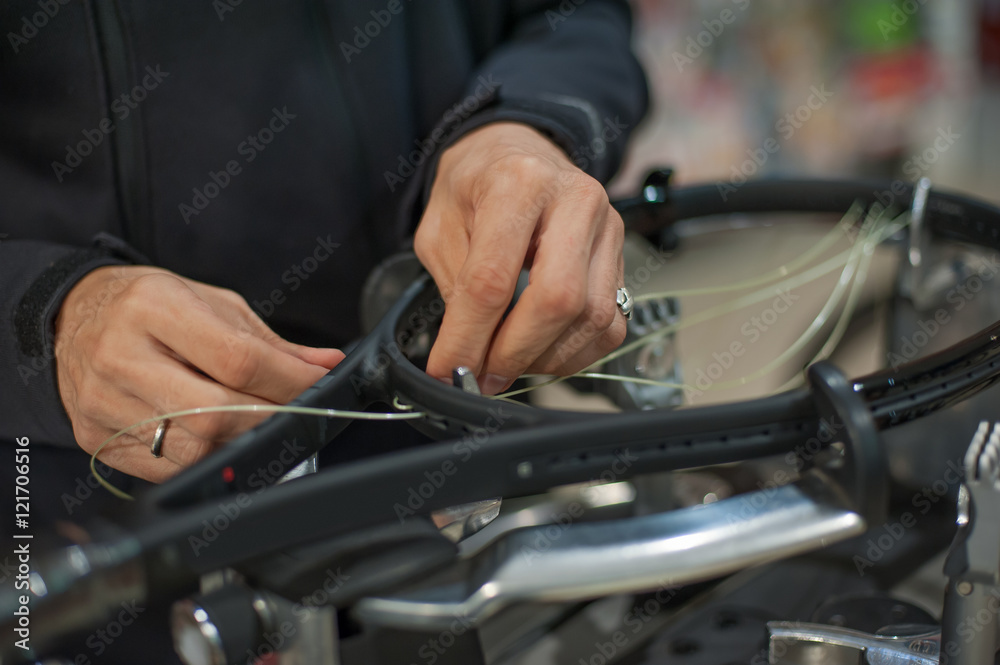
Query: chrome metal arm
(568, 562)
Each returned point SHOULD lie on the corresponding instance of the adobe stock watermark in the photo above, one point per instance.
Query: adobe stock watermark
(635, 620)
(803, 454)
(30, 25)
(612, 129)
(409, 163)
(102, 638)
(84, 488)
(582, 156)
(274, 641)
(249, 149)
(583, 334)
(785, 127)
(917, 165)
(751, 504)
(563, 11)
(229, 511)
(957, 298)
(656, 259)
(8, 569)
(752, 330)
(435, 479)
(890, 534)
(122, 107)
(547, 536)
(696, 44)
(296, 275)
(86, 310)
(223, 7)
(417, 324)
(633, 623)
(972, 625)
(921, 162)
(899, 16)
(381, 18)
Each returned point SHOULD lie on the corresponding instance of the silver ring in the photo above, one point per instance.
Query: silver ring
(625, 303)
(161, 431)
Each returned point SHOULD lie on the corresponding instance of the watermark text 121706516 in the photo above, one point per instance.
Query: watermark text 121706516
(22, 547)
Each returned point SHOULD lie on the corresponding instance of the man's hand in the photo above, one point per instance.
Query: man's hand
(135, 342)
(505, 197)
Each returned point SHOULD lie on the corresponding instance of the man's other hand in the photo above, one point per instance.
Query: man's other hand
(134, 342)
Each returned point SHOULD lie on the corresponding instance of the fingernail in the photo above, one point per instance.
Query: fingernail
(493, 383)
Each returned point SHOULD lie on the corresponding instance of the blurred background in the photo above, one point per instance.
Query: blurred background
(880, 88)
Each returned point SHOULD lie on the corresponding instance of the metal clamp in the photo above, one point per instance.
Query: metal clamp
(972, 598)
(463, 378)
(793, 643)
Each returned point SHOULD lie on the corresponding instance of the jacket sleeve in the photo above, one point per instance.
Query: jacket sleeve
(565, 68)
(36, 277)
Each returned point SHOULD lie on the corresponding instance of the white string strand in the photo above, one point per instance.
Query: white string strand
(246, 408)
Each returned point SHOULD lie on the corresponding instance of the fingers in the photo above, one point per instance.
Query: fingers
(165, 386)
(506, 197)
(178, 448)
(242, 362)
(572, 238)
(565, 319)
(483, 287)
(168, 386)
(601, 327)
(232, 308)
(131, 452)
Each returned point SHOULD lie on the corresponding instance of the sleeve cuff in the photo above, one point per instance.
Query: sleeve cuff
(35, 314)
(570, 123)
(33, 322)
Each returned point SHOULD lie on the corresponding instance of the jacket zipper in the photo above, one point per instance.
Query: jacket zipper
(129, 151)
